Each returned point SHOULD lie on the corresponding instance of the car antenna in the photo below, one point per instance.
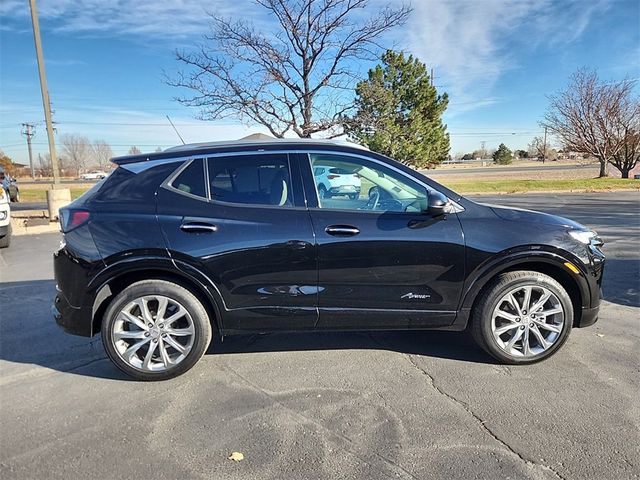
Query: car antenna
(176, 130)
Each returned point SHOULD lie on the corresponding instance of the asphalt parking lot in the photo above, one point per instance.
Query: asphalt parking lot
(411, 405)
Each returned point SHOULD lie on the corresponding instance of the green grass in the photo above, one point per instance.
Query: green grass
(40, 195)
(468, 186)
(520, 186)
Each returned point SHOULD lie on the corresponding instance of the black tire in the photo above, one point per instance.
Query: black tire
(16, 197)
(353, 196)
(488, 301)
(6, 240)
(195, 308)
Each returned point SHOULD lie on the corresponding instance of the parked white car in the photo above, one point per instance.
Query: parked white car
(334, 181)
(94, 175)
(5, 219)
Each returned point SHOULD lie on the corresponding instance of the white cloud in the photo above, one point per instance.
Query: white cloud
(153, 18)
(471, 43)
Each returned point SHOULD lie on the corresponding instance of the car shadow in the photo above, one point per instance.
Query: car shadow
(30, 336)
(439, 344)
(621, 282)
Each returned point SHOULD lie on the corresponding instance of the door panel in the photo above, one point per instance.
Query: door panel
(261, 257)
(387, 268)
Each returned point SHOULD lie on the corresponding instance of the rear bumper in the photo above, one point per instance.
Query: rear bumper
(76, 321)
(345, 190)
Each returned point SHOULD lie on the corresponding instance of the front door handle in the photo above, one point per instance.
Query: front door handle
(198, 227)
(342, 230)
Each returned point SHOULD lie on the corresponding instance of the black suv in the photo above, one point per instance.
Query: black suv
(234, 238)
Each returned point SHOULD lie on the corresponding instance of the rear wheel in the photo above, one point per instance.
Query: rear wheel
(353, 196)
(522, 317)
(155, 330)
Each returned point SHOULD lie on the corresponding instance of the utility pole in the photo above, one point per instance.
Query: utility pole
(483, 149)
(431, 77)
(544, 146)
(46, 103)
(28, 132)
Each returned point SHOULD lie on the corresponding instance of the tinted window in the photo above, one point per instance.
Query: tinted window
(191, 180)
(355, 183)
(134, 182)
(255, 179)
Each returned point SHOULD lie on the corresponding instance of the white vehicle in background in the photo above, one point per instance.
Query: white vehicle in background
(93, 175)
(335, 181)
(5, 219)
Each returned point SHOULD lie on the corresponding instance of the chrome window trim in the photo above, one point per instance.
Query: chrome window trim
(457, 208)
(168, 183)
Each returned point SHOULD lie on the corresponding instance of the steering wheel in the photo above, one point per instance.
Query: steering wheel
(374, 198)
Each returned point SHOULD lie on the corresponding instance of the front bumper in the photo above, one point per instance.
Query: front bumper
(589, 317)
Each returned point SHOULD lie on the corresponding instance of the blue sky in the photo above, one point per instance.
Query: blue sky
(497, 59)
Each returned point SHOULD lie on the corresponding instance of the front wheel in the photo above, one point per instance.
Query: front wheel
(522, 317)
(155, 330)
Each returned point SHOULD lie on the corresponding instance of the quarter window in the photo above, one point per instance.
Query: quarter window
(256, 179)
(191, 180)
(352, 183)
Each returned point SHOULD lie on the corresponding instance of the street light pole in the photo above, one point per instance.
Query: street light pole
(57, 197)
(45, 91)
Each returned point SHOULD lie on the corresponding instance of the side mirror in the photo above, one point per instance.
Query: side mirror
(437, 204)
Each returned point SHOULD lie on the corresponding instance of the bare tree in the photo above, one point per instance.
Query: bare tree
(44, 165)
(77, 150)
(299, 78)
(101, 152)
(134, 151)
(627, 136)
(593, 118)
(538, 149)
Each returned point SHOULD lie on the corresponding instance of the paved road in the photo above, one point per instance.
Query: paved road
(426, 405)
(511, 169)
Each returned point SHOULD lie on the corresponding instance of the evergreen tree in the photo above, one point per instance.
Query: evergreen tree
(502, 155)
(399, 113)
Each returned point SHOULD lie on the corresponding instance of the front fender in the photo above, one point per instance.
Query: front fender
(508, 259)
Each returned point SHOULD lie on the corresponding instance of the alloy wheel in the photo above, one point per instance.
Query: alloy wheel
(527, 321)
(153, 333)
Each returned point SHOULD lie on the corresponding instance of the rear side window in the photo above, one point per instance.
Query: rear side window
(252, 179)
(191, 179)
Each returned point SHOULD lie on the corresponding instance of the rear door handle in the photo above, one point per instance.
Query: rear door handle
(198, 227)
(342, 230)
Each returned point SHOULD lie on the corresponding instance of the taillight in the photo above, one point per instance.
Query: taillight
(70, 219)
(331, 177)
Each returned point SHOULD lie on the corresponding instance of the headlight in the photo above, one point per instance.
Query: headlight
(3, 215)
(586, 236)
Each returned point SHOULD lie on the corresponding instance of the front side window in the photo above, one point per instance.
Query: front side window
(251, 179)
(352, 183)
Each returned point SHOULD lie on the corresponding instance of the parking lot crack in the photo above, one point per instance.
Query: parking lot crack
(482, 423)
(368, 457)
